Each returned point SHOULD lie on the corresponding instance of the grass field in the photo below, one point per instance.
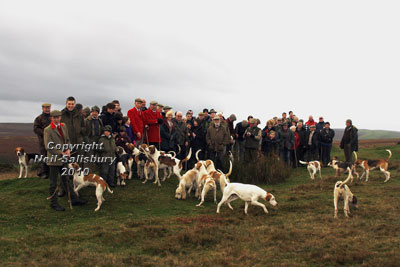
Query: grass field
(143, 225)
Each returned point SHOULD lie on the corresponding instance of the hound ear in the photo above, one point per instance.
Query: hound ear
(354, 200)
(183, 191)
(268, 197)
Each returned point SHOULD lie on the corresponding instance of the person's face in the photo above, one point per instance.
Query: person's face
(327, 126)
(110, 110)
(189, 116)
(169, 116)
(201, 117)
(195, 123)
(205, 113)
(56, 120)
(159, 109)
(138, 104)
(284, 127)
(143, 103)
(212, 115)
(128, 121)
(70, 105)
(217, 122)
(321, 119)
(178, 117)
(189, 126)
(220, 116)
(272, 135)
(283, 115)
(293, 129)
(46, 110)
(117, 107)
(153, 107)
(310, 118)
(299, 124)
(312, 129)
(347, 124)
(107, 133)
(95, 114)
(279, 122)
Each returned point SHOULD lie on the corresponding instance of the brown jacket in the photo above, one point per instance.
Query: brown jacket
(40, 123)
(53, 137)
(217, 138)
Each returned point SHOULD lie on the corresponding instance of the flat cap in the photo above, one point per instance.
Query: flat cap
(55, 113)
(153, 102)
(160, 105)
(201, 113)
(212, 111)
(46, 105)
(95, 108)
(139, 100)
(216, 118)
(167, 108)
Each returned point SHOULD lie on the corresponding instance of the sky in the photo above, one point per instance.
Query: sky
(336, 59)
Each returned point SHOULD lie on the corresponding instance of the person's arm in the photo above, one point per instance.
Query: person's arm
(49, 140)
(37, 127)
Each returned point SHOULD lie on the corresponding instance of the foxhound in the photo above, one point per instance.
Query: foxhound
(188, 180)
(313, 167)
(369, 165)
(205, 184)
(121, 174)
(80, 180)
(342, 191)
(248, 193)
(341, 166)
(24, 159)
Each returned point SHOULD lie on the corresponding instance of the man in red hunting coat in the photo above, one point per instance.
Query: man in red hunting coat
(135, 114)
(152, 120)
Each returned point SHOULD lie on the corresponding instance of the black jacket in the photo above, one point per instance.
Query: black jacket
(303, 136)
(314, 141)
(350, 136)
(326, 137)
(240, 129)
(109, 119)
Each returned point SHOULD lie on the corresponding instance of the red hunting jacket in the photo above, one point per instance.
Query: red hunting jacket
(151, 119)
(137, 124)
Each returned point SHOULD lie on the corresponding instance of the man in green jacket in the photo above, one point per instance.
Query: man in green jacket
(217, 139)
(109, 149)
(252, 138)
(57, 134)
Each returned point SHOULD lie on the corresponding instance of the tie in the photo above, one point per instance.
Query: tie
(61, 133)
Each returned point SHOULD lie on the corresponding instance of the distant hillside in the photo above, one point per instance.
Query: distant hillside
(26, 129)
(16, 129)
(364, 134)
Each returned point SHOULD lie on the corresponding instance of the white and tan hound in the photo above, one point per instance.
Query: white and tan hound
(342, 191)
(369, 165)
(313, 167)
(24, 159)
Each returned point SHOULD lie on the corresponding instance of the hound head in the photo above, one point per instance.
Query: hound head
(180, 192)
(208, 163)
(73, 166)
(144, 147)
(131, 147)
(136, 151)
(19, 151)
(333, 161)
(271, 199)
(152, 149)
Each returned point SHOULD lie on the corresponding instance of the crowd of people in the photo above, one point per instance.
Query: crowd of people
(287, 136)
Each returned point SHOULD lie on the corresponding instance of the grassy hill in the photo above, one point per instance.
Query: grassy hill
(143, 225)
(364, 134)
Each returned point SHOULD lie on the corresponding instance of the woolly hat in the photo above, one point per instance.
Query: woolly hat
(108, 128)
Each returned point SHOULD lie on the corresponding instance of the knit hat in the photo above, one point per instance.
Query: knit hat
(87, 110)
(96, 108)
(55, 113)
(232, 117)
(108, 128)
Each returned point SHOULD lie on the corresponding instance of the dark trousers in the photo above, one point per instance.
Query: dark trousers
(54, 174)
(285, 155)
(107, 172)
(250, 154)
(293, 158)
(311, 154)
(326, 154)
(300, 151)
(348, 153)
(217, 157)
(43, 169)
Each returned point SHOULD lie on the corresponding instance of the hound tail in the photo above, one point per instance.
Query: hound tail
(185, 159)
(390, 154)
(348, 177)
(230, 169)
(179, 149)
(197, 154)
(172, 153)
(355, 155)
(303, 162)
(109, 190)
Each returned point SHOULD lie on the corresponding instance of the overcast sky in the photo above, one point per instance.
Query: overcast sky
(338, 59)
